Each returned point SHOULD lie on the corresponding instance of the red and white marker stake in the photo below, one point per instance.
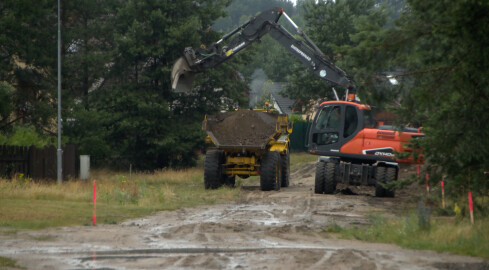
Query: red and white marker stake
(471, 208)
(442, 194)
(417, 170)
(427, 183)
(94, 215)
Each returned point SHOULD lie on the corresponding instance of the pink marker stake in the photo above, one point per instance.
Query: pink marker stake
(427, 183)
(471, 208)
(442, 194)
(94, 215)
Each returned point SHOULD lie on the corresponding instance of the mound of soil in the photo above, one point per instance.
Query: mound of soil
(242, 127)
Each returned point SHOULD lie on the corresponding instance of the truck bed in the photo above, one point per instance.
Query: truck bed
(249, 129)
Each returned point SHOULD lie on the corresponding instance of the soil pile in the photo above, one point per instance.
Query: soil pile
(242, 127)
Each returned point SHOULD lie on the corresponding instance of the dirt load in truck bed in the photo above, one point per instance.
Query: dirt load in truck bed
(242, 128)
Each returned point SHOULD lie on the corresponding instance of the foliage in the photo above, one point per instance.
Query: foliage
(443, 47)
(330, 24)
(294, 118)
(117, 58)
(26, 135)
(266, 54)
(241, 11)
(28, 59)
(6, 108)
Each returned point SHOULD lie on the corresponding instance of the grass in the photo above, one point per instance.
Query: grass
(296, 159)
(6, 263)
(440, 234)
(28, 205)
(25, 204)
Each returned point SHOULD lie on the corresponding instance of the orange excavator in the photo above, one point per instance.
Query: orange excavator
(352, 149)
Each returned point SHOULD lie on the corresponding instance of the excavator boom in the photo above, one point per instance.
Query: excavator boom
(307, 52)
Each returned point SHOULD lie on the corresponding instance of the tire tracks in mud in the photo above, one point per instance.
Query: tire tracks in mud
(262, 230)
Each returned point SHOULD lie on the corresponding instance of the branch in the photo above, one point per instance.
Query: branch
(431, 70)
(11, 122)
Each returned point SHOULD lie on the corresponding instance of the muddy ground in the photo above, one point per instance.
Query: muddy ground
(263, 230)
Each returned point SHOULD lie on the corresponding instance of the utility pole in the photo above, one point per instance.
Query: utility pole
(60, 151)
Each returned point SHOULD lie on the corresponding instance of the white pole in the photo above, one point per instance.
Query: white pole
(60, 151)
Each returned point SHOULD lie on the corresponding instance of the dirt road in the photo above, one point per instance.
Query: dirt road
(264, 230)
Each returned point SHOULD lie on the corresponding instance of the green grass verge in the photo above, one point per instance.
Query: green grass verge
(25, 204)
(28, 205)
(439, 234)
(296, 159)
(7, 263)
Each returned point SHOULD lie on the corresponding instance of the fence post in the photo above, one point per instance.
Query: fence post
(84, 167)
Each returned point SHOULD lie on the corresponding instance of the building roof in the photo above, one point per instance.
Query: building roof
(284, 104)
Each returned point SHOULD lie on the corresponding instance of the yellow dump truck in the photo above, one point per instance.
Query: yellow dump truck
(247, 142)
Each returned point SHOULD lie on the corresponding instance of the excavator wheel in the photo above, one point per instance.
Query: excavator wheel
(384, 175)
(330, 178)
(213, 177)
(325, 181)
(270, 176)
(319, 180)
(285, 170)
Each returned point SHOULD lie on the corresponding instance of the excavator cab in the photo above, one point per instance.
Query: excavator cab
(347, 130)
(335, 124)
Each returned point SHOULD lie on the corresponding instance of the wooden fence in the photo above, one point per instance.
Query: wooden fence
(37, 163)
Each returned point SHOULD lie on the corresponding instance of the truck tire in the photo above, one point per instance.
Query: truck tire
(320, 175)
(285, 170)
(270, 176)
(384, 175)
(213, 177)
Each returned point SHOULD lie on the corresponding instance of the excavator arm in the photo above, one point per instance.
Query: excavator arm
(195, 61)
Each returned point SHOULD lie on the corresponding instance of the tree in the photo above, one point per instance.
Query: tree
(445, 47)
(266, 54)
(330, 24)
(135, 118)
(117, 57)
(87, 42)
(28, 61)
(439, 49)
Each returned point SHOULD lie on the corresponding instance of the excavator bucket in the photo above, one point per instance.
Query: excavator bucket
(182, 76)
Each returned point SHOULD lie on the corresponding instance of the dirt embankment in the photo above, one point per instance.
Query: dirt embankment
(263, 230)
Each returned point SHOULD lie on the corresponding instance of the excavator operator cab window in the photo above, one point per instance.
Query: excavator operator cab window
(369, 121)
(328, 123)
(351, 121)
(329, 117)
